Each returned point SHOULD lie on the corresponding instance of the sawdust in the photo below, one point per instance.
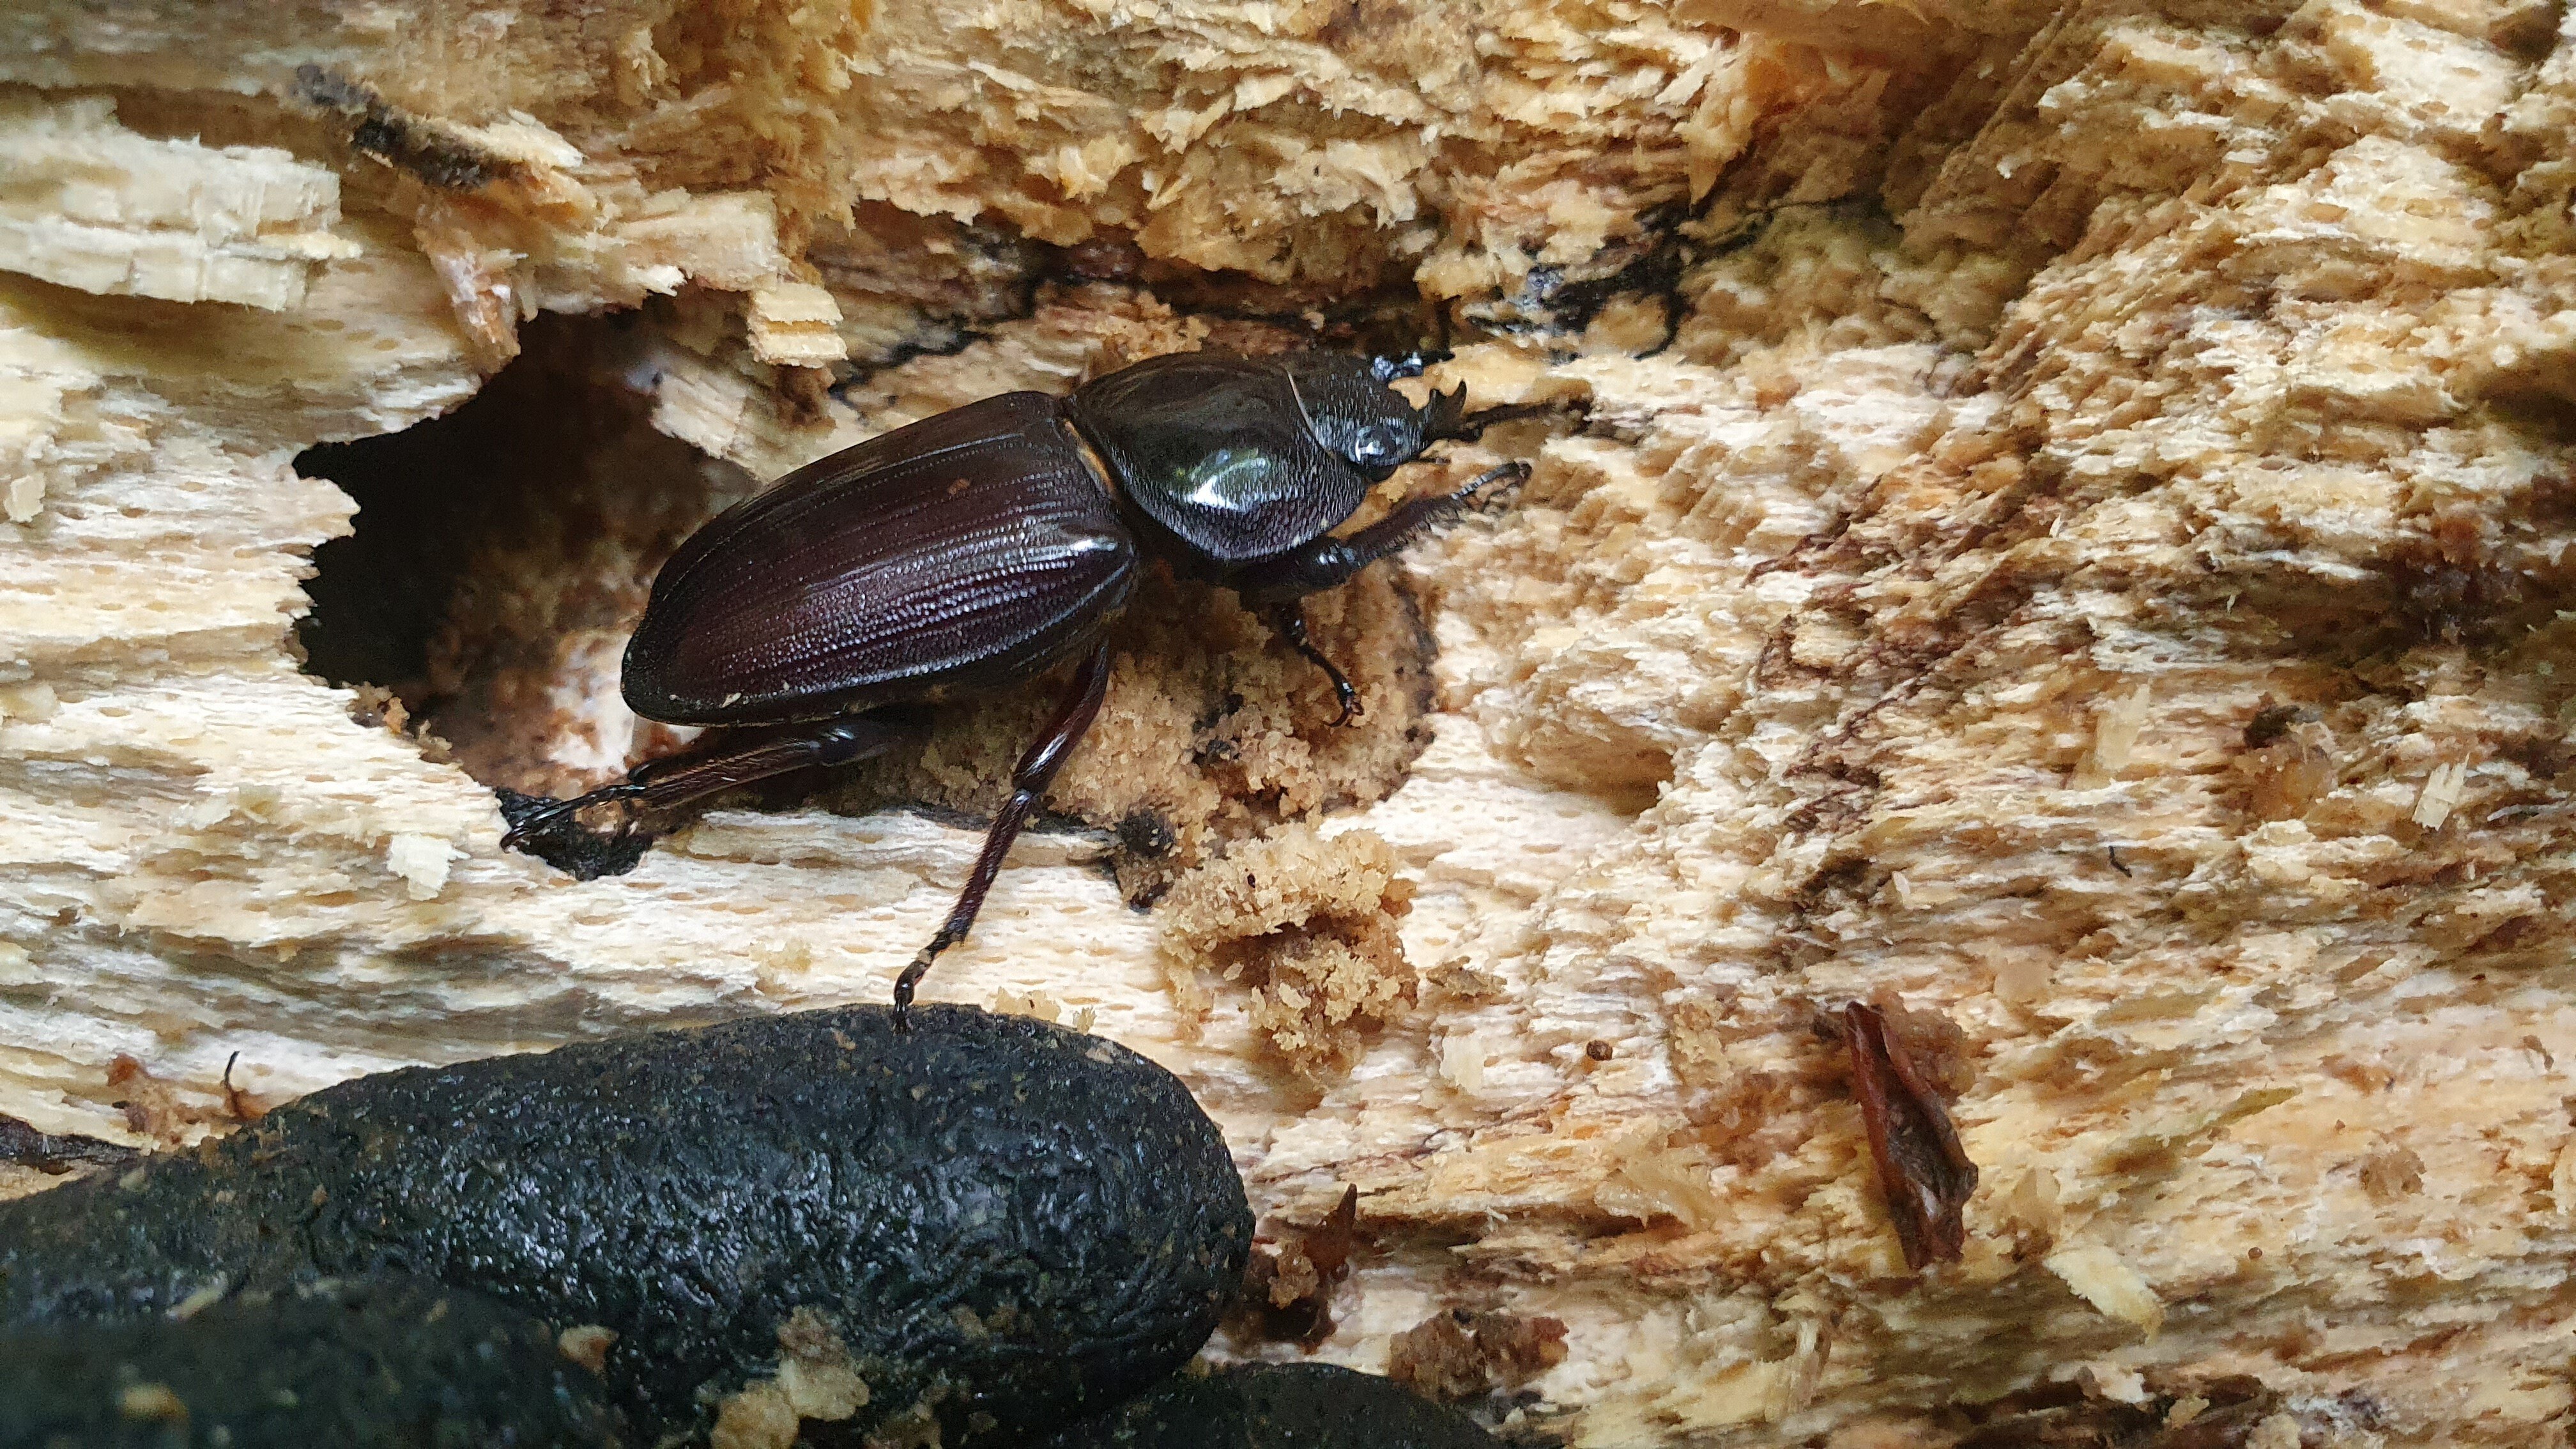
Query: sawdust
(816, 1380)
(1458, 1354)
(1308, 923)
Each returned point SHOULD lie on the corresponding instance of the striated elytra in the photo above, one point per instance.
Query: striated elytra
(1277, 1406)
(387, 1363)
(977, 549)
(986, 1221)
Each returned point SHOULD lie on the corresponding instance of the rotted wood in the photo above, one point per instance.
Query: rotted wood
(2063, 544)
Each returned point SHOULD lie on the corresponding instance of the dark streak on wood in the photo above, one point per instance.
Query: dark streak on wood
(2224, 1413)
(398, 138)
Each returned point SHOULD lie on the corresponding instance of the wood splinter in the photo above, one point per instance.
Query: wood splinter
(1922, 1169)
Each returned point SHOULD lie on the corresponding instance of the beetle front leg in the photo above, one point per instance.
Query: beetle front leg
(1411, 520)
(678, 779)
(1330, 562)
(1029, 781)
(1469, 427)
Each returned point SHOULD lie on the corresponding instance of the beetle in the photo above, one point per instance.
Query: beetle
(976, 549)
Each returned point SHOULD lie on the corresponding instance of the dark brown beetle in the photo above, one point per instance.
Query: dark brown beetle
(976, 549)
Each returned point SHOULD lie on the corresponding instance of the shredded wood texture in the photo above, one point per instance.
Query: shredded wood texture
(2071, 534)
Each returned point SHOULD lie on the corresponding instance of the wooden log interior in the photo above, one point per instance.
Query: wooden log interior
(2059, 531)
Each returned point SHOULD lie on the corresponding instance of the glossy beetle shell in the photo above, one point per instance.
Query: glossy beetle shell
(969, 550)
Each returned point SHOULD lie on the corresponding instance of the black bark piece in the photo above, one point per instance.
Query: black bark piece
(1278, 1406)
(990, 1221)
(57, 1153)
(380, 1364)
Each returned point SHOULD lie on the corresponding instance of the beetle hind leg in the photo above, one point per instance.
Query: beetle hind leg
(1029, 780)
(676, 780)
(547, 814)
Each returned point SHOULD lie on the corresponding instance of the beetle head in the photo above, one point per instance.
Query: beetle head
(1352, 412)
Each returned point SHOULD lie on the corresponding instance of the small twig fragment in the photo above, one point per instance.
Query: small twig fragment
(243, 1106)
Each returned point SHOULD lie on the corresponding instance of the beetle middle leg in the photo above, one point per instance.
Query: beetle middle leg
(678, 779)
(1029, 780)
(1289, 620)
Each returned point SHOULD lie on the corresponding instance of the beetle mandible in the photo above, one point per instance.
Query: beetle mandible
(976, 549)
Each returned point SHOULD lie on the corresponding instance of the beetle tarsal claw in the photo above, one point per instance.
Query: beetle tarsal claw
(1344, 692)
(567, 813)
(1516, 470)
(910, 978)
(1289, 622)
(538, 821)
(1349, 699)
(556, 812)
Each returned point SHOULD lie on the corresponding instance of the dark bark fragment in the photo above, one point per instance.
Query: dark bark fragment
(2213, 1413)
(50, 1152)
(1005, 1223)
(1456, 1355)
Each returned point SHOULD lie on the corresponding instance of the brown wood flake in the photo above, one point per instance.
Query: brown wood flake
(1288, 1285)
(1922, 1169)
